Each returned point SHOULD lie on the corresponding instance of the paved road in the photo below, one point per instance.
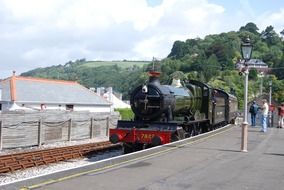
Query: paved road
(213, 163)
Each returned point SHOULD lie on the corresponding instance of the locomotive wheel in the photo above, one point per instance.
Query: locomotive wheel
(178, 135)
(174, 137)
(206, 127)
(191, 132)
(129, 147)
(213, 127)
(198, 130)
(138, 146)
(233, 121)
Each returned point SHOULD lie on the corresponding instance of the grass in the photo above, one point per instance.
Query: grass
(125, 113)
(123, 64)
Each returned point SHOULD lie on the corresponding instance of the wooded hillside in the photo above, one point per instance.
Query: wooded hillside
(211, 60)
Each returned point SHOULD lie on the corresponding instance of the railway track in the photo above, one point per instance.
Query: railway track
(19, 161)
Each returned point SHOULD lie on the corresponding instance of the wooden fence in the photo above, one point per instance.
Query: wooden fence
(21, 129)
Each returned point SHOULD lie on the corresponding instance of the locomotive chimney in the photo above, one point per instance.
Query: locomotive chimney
(154, 77)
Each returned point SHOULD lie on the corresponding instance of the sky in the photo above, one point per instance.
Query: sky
(42, 33)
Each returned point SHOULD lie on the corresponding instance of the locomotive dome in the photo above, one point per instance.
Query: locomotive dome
(176, 83)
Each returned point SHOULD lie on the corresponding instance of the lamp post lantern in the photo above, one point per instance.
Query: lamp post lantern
(246, 49)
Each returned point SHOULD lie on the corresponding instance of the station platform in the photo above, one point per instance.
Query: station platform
(214, 162)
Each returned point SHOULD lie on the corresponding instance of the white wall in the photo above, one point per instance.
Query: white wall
(94, 108)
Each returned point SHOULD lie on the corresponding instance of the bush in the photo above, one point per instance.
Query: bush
(125, 113)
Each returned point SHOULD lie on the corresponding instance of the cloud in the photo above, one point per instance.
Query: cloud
(190, 21)
(42, 33)
(275, 19)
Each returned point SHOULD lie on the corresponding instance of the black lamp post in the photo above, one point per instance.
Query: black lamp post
(270, 91)
(246, 49)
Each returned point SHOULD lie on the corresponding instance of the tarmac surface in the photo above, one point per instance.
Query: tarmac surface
(215, 162)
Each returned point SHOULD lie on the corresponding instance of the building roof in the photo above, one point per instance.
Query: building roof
(256, 63)
(38, 90)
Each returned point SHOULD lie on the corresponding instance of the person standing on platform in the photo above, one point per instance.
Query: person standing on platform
(264, 109)
(281, 116)
(253, 111)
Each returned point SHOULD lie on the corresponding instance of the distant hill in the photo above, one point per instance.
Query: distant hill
(121, 75)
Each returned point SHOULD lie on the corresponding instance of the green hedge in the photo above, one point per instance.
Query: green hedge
(126, 113)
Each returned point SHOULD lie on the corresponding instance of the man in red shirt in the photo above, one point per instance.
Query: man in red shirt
(281, 116)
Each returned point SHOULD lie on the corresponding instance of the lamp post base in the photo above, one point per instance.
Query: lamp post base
(244, 146)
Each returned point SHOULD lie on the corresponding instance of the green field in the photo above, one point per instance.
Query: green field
(122, 64)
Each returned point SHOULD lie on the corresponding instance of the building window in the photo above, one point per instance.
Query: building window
(69, 107)
(0, 107)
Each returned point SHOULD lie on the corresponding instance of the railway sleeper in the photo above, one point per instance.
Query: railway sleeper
(39, 163)
(27, 165)
(4, 170)
(15, 167)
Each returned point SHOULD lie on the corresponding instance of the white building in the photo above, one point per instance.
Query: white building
(26, 93)
(110, 96)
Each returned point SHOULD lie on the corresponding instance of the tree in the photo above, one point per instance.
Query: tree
(221, 51)
(212, 67)
(178, 50)
(253, 74)
(178, 75)
(250, 27)
(192, 75)
(270, 36)
(282, 32)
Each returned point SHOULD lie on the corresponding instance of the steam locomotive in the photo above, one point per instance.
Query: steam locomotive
(167, 113)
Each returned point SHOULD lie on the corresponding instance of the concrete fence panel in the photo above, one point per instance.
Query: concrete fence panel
(24, 129)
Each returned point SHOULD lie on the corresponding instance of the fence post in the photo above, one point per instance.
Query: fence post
(1, 136)
(70, 130)
(92, 128)
(107, 126)
(39, 142)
